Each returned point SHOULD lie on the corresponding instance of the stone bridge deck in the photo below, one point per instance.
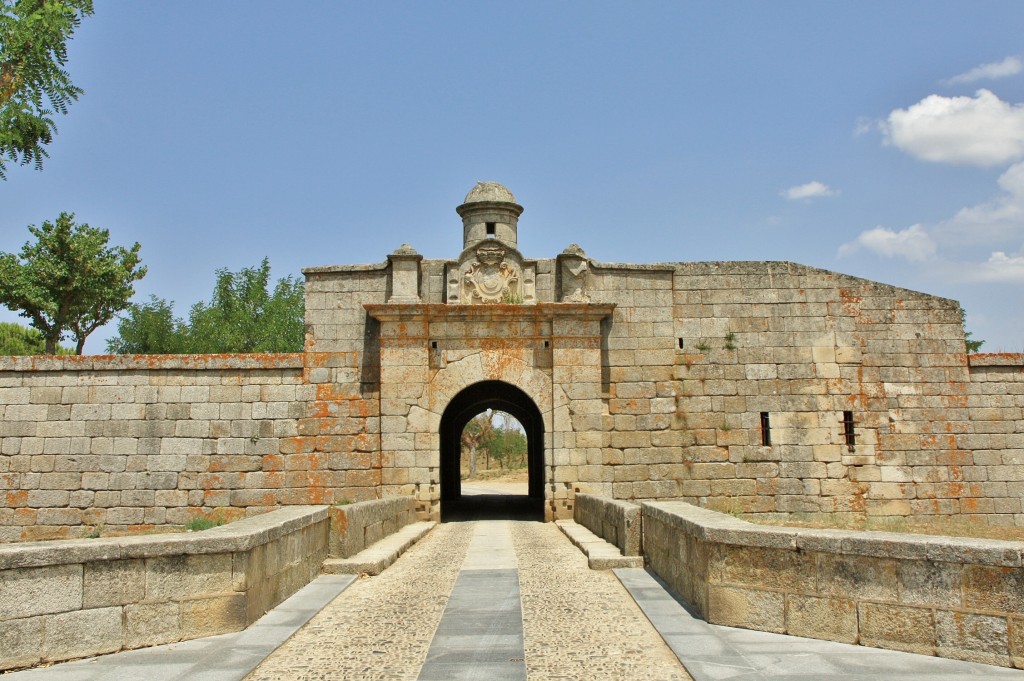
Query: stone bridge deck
(501, 600)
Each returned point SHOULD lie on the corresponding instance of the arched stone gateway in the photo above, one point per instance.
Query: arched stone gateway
(463, 407)
(548, 358)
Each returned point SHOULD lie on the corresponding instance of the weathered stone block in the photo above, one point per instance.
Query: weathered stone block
(27, 592)
(858, 577)
(184, 576)
(925, 582)
(82, 633)
(968, 636)
(834, 619)
(1016, 641)
(765, 567)
(897, 628)
(747, 608)
(212, 616)
(150, 624)
(21, 642)
(114, 583)
(994, 588)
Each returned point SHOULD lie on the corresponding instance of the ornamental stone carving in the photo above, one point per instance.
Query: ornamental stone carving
(492, 278)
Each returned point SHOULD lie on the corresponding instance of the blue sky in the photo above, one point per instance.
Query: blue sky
(879, 139)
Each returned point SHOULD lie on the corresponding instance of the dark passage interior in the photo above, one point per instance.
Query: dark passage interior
(463, 407)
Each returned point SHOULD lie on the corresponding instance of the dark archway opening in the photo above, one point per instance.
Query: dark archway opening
(463, 407)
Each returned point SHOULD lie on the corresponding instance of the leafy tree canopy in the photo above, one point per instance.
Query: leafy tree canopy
(33, 82)
(16, 339)
(69, 282)
(497, 435)
(243, 315)
(972, 345)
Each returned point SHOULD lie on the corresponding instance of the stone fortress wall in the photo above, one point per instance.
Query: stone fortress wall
(755, 387)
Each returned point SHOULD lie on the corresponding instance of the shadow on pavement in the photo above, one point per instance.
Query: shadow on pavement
(492, 507)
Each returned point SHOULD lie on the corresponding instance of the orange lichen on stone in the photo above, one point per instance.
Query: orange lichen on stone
(209, 482)
(305, 462)
(297, 445)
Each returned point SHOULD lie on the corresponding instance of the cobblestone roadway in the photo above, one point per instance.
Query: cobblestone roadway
(578, 623)
(581, 623)
(380, 627)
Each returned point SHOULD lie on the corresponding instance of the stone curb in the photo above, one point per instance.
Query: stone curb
(376, 558)
(600, 554)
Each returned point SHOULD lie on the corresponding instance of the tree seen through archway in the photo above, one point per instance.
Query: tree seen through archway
(494, 453)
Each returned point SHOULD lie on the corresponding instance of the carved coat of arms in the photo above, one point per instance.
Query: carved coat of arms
(490, 279)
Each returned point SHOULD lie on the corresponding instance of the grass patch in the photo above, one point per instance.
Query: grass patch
(200, 523)
(94, 532)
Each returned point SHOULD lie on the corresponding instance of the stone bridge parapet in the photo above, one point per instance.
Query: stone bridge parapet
(948, 596)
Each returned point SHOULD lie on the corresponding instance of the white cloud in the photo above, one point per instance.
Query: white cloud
(1010, 66)
(809, 190)
(982, 130)
(997, 220)
(999, 268)
(913, 243)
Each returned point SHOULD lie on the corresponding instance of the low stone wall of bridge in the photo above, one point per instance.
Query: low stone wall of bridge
(947, 596)
(357, 526)
(617, 522)
(61, 600)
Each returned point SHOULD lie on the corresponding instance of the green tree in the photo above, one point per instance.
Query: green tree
(149, 328)
(243, 315)
(33, 82)
(476, 435)
(16, 339)
(498, 436)
(972, 345)
(69, 282)
(506, 443)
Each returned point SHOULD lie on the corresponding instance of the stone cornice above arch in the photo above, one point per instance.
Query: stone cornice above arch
(389, 312)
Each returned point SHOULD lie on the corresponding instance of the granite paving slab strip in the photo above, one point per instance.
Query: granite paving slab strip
(228, 657)
(715, 653)
(581, 623)
(381, 627)
(480, 635)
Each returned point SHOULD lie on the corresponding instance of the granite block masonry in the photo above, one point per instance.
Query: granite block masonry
(758, 387)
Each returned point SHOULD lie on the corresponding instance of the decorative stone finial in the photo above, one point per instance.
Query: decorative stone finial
(405, 249)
